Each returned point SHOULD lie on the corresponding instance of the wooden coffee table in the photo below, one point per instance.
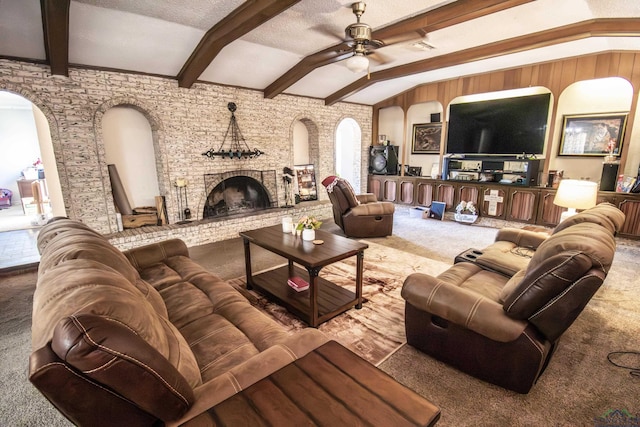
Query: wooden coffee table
(324, 299)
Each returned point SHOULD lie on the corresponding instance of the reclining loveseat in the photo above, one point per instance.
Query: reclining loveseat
(147, 337)
(498, 313)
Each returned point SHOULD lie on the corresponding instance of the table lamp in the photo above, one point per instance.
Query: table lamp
(575, 194)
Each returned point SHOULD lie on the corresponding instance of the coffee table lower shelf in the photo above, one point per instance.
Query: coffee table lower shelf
(332, 299)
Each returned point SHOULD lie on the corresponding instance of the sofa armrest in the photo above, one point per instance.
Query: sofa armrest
(367, 198)
(523, 238)
(462, 307)
(370, 209)
(154, 253)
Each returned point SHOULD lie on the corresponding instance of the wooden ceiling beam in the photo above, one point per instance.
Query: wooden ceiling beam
(55, 26)
(607, 27)
(248, 16)
(412, 28)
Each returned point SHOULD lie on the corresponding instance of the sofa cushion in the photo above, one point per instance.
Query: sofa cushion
(82, 286)
(605, 214)
(61, 225)
(80, 244)
(111, 353)
(545, 281)
(596, 242)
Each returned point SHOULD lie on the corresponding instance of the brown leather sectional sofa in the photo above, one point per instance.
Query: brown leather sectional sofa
(144, 337)
(498, 313)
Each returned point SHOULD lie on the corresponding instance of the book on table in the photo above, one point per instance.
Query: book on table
(298, 283)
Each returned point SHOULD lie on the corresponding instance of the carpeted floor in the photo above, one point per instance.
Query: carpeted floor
(578, 386)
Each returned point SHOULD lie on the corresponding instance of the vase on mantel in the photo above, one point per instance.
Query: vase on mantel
(308, 234)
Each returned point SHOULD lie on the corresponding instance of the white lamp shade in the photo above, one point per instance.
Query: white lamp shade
(576, 194)
(357, 63)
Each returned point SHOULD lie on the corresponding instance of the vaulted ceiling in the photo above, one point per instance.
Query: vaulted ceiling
(299, 47)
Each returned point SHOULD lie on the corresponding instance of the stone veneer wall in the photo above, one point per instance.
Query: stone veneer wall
(185, 123)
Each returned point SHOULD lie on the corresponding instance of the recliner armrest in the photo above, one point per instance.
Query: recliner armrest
(378, 208)
(462, 307)
(367, 198)
(523, 238)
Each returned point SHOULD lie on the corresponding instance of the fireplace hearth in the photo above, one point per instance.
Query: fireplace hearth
(241, 192)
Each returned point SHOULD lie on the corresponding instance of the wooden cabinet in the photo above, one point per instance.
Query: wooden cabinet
(517, 203)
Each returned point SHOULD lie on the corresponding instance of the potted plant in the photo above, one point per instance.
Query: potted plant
(308, 226)
(466, 212)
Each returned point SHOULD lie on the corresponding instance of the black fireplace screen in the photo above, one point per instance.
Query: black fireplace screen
(239, 192)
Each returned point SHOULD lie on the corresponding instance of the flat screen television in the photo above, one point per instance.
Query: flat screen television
(505, 126)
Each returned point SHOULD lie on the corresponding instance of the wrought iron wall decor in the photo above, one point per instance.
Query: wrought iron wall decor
(237, 150)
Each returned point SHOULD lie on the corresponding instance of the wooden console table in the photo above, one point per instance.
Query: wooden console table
(323, 300)
(330, 386)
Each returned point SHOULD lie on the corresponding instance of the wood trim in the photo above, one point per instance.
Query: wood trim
(55, 27)
(609, 27)
(408, 29)
(248, 16)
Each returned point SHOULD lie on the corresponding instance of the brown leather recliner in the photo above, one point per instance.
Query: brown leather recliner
(358, 215)
(504, 329)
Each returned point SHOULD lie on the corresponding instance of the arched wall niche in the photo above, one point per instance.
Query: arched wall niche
(58, 180)
(419, 114)
(592, 98)
(160, 156)
(297, 144)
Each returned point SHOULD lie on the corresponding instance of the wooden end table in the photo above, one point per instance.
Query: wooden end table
(324, 299)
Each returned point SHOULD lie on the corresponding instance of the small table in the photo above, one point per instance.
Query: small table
(324, 299)
(330, 386)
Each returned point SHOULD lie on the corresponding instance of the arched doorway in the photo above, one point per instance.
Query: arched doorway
(25, 140)
(348, 152)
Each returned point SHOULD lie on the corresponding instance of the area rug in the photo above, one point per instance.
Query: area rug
(377, 330)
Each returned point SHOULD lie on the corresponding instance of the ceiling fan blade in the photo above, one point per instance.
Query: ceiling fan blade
(379, 58)
(328, 30)
(400, 38)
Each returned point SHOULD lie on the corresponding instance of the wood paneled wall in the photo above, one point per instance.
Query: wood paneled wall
(555, 76)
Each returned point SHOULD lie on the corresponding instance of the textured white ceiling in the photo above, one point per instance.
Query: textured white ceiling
(158, 36)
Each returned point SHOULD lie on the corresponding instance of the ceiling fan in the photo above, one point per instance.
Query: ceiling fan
(359, 35)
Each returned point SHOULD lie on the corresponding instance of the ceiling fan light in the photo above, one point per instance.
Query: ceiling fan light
(357, 63)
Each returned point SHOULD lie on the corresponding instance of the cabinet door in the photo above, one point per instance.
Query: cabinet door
(467, 193)
(406, 191)
(425, 192)
(375, 187)
(631, 208)
(548, 213)
(446, 194)
(389, 190)
(493, 203)
(522, 205)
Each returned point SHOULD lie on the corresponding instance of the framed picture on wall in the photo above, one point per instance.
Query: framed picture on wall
(306, 178)
(593, 134)
(426, 138)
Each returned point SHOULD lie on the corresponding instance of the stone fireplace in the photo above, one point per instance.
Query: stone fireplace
(240, 192)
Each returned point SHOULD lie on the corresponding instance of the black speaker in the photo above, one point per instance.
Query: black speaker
(383, 159)
(609, 177)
